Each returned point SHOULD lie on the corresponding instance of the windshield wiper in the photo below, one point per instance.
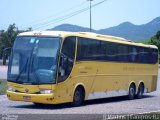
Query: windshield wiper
(34, 70)
(31, 66)
(22, 70)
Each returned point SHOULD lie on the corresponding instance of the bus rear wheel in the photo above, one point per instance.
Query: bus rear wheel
(132, 90)
(78, 97)
(140, 91)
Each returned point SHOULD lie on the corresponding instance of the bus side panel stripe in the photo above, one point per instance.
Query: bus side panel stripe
(115, 93)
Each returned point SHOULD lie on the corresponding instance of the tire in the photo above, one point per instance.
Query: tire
(140, 91)
(38, 104)
(132, 91)
(78, 97)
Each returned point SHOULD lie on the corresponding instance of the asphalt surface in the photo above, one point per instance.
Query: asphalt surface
(117, 105)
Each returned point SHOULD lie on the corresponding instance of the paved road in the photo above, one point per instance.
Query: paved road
(118, 105)
(3, 72)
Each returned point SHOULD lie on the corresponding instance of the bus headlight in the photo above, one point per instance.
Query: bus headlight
(11, 89)
(44, 91)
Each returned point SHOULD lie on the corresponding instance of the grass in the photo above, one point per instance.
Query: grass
(143, 41)
(3, 87)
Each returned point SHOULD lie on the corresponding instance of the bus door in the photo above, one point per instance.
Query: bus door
(67, 58)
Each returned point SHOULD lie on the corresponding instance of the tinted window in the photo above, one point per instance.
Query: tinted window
(68, 48)
(89, 49)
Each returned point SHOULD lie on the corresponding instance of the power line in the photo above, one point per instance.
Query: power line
(37, 22)
(68, 16)
(62, 18)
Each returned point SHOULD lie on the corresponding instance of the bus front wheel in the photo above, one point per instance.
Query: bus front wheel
(38, 104)
(132, 90)
(78, 97)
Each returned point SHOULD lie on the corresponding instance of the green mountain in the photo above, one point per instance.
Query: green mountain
(126, 30)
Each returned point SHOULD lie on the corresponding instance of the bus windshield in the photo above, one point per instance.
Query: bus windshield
(34, 60)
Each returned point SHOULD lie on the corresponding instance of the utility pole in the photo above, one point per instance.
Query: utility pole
(90, 1)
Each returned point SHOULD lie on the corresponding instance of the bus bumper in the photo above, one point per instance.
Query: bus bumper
(35, 98)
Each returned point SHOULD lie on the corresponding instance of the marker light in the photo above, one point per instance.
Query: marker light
(11, 89)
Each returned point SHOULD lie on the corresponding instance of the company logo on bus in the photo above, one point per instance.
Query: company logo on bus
(26, 90)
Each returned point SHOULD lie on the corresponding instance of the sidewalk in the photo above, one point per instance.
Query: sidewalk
(3, 72)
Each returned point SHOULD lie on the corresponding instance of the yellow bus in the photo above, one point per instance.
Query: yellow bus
(53, 67)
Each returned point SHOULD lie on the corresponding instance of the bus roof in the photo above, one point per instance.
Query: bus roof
(86, 35)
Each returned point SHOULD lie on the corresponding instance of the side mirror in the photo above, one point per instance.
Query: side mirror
(64, 62)
(63, 65)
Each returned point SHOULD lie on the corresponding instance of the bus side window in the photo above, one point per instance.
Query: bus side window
(66, 58)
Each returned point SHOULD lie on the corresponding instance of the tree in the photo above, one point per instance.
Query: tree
(7, 39)
(158, 35)
(155, 40)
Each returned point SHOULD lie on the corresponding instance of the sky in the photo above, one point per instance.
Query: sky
(45, 14)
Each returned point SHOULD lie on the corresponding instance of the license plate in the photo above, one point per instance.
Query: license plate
(26, 98)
